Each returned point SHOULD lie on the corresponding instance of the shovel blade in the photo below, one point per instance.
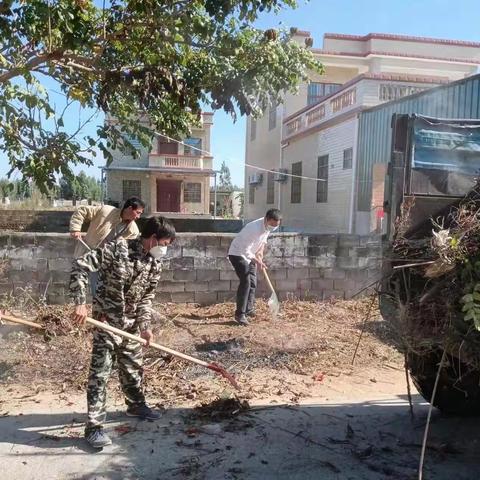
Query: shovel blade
(274, 305)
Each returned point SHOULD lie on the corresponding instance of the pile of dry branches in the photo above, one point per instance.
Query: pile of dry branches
(435, 285)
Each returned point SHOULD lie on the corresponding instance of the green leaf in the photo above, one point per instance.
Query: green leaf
(468, 306)
(467, 298)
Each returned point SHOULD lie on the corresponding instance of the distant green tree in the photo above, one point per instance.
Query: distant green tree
(241, 199)
(6, 187)
(21, 190)
(225, 178)
(80, 186)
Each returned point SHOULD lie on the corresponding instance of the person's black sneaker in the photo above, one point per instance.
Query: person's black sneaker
(241, 320)
(97, 438)
(251, 314)
(142, 411)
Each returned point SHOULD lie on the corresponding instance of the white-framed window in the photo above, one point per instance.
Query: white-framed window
(347, 158)
(322, 182)
(192, 193)
(270, 187)
(296, 187)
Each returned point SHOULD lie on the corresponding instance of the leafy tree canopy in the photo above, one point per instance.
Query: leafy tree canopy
(165, 58)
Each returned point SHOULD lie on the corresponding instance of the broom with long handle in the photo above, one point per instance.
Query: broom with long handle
(104, 326)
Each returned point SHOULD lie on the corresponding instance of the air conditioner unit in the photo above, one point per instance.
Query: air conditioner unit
(255, 179)
(281, 175)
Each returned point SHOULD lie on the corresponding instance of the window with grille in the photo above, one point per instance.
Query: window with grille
(272, 116)
(270, 187)
(251, 194)
(192, 146)
(317, 90)
(322, 182)
(296, 191)
(131, 188)
(347, 158)
(167, 147)
(192, 193)
(253, 129)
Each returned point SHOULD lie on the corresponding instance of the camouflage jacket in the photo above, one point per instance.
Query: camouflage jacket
(127, 280)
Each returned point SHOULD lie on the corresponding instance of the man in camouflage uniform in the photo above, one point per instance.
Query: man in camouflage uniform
(128, 273)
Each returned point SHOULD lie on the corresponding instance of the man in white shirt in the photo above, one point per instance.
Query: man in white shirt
(245, 254)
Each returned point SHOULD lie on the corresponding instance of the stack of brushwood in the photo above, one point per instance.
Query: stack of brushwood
(434, 289)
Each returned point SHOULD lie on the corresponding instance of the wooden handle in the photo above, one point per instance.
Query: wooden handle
(104, 326)
(83, 243)
(121, 333)
(9, 318)
(267, 278)
(117, 331)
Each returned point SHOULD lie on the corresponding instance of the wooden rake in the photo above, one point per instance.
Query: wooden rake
(215, 367)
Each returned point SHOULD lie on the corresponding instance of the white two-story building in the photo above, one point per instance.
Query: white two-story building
(301, 155)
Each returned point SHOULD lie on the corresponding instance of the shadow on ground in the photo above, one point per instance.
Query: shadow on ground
(370, 440)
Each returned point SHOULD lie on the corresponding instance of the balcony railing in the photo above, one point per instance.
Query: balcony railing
(294, 126)
(330, 107)
(365, 92)
(180, 162)
(316, 114)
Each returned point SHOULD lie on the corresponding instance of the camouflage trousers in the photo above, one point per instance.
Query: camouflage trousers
(128, 354)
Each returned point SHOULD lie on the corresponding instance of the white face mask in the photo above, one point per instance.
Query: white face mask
(270, 228)
(158, 251)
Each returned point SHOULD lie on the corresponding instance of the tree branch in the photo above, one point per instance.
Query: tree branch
(30, 65)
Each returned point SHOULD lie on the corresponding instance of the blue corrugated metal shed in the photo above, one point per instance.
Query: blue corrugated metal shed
(460, 99)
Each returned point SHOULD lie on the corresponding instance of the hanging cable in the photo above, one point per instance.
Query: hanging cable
(246, 164)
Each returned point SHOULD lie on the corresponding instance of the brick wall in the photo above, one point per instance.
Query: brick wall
(197, 270)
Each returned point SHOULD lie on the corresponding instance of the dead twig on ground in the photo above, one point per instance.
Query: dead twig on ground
(367, 318)
(427, 426)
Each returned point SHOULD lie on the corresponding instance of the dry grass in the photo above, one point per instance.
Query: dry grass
(308, 338)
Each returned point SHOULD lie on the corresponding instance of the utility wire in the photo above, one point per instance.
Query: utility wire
(246, 164)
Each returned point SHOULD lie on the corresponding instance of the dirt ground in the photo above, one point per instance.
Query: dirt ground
(303, 411)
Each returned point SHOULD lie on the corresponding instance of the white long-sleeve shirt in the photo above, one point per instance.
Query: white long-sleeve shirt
(250, 239)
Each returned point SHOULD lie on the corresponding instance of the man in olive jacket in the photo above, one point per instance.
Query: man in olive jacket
(107, 223)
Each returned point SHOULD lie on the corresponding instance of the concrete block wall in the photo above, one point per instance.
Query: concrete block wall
(197, 269)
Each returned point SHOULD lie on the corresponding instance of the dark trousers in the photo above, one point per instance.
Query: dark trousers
(247, 274)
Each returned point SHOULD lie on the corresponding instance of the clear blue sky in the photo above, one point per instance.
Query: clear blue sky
(431, 18)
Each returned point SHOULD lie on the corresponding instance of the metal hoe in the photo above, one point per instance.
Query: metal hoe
(104, 326)
(273, 303)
